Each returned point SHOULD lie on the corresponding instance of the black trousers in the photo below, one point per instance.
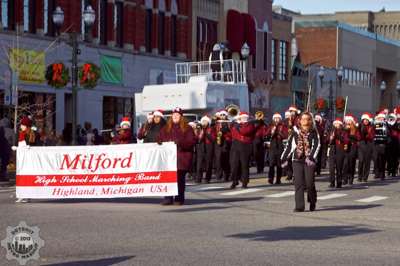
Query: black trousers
(332, 164)
(205, 158)
(365, 151)
(392, 155)
(222, 166)
(181, 187)
(275, 161)
(304, 179)
(259, 154)
(339, 158)
(380, 155)
(240, 161)
(350, 164)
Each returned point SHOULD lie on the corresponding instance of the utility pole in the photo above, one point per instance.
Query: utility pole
(74, 73)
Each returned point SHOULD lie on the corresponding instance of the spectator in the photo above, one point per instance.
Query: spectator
(5, 154)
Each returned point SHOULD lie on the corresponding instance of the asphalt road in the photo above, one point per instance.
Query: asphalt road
(218, 226)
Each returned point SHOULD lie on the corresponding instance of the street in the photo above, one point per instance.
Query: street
(218, 226)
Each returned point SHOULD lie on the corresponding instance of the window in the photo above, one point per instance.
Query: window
(84, 4)
(149, 18)
(48, 8)
(283, 60)
(4, 13)
(273, 60)
(265, 50)
(8, 14)
(206, 38)
(346, 75)
(161, 31)
(119, 24)
(103, 22)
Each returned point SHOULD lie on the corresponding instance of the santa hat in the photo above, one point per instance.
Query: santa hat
(338, 121)
(177, 110)
(277, 115)
(380, 115)
(318, 117)
(367, 116)
(223, 112)
(192, 124)
(150, 115)
(125, 122)
(26, 121)
(243, 115)
(293, 108)
(349, 118)
(287, 114)
(158, 113)
(205, 119)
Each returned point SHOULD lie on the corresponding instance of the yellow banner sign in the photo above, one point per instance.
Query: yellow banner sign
(29, 64)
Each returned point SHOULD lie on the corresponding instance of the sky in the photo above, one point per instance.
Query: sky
(330, 6)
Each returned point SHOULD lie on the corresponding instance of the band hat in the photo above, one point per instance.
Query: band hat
(158, 113)
(223, 112)
(349, 118)
(277, 115)
(125, 122)
(177, 110)
(338, 121)
(293, 108)
(366, 116)
(318, 117)
(380, 115)
(287, 114)
(205, 119)
(242, 115)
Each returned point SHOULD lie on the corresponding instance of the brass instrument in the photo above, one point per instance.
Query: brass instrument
(233, 110)
(259, 115)
(219, 138)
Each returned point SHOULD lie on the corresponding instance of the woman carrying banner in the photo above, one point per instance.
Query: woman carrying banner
(303, 147)
(178, 130)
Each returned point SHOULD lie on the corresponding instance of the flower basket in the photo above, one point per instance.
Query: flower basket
(88, 75)
(320, 104)
(340, 104)
(57, 75)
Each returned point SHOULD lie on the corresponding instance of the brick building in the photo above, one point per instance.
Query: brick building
(145, 38)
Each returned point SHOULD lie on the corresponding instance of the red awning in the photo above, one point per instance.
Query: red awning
(250, 32)
(235, 30)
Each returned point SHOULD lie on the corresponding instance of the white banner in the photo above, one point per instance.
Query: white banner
(133, 170)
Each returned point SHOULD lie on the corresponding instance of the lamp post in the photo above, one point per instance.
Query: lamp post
(245, 52)
(89, 17)
(339, 76)
(382, 88)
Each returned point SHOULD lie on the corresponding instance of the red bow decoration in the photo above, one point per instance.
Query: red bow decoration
(57, 70)
(340, 103)
(86, 71)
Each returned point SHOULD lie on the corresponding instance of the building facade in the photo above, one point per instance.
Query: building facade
(134, 43)
(367, 59)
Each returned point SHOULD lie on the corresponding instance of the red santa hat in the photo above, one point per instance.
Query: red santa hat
(367, 116)
(159, 113)
(223, 112)
(318, 117)
(349, 118)
(177, 110)
(293, 108)
(205, 119)
(380, 115)
(25, 121)
(243, 115)
(277, 115)
(338, 121)
(126, 122)
(287, 114)
(192, 124)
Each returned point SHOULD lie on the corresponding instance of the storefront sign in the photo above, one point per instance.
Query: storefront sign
(133, 170)
(29, 64)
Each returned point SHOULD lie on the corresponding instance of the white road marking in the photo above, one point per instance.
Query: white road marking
(281, 195)
(208, 188)
(244, 191)
(331, 196)
(372, 199)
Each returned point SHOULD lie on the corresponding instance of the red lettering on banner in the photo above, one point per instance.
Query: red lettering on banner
(85, 162)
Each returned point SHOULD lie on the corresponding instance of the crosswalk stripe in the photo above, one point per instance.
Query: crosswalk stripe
(208, 188)
(372, 199)
(281, 195)
(244, 191)
(331, 196)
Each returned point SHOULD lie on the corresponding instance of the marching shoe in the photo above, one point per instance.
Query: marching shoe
(166, 202)
(312, 207)
(298, 210)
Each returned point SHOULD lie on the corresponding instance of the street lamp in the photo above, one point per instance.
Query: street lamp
(321, 74)
(382, 88)
(340, 76)
(88, 17)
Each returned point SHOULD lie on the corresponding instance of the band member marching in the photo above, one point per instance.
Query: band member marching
(258, 143)
(276, 133)
(380, 141)
(222, 146)
(365, 147)
(242, 137)
(323, 136)
(205, 149)
(303, 147)
(393, 148)
(339, 144)
(351, 153)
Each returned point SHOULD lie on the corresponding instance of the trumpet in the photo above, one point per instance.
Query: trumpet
(219, 138)
(259, 115)
(233, 110)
